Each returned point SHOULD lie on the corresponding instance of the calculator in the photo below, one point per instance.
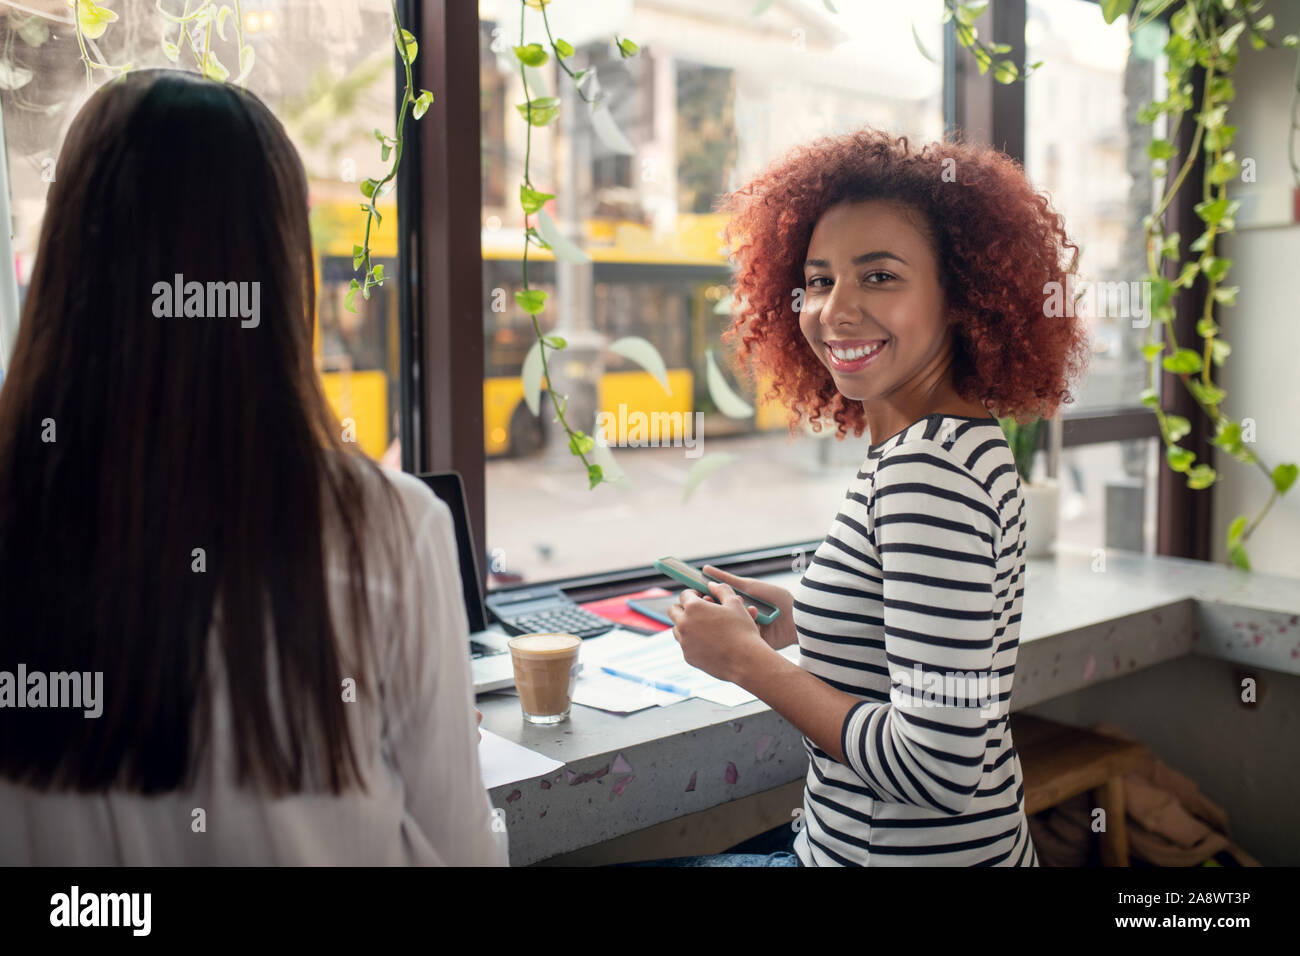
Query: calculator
(545, 610)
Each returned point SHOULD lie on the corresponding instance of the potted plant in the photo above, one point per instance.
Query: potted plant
(1042, 497)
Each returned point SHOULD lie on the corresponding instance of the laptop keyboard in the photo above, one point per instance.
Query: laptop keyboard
(477, 650)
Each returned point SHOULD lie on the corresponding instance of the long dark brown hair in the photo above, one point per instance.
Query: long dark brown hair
(128, 441)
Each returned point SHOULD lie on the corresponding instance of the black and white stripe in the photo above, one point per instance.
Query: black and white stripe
(912, 603)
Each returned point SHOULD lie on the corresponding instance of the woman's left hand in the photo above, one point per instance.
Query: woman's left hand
(719, 638)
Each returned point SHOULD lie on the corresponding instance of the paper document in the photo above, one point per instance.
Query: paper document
(503, 761)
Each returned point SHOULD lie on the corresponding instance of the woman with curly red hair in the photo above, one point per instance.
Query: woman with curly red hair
(902, 290)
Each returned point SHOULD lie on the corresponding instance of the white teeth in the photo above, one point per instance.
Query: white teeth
(849, 355)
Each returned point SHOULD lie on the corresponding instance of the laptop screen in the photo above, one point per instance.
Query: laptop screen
(448, 487)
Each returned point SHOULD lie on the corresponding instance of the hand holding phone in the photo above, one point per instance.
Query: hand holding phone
(779, 632)
(679, 570)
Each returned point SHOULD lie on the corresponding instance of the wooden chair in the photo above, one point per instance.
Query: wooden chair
(1060, 761)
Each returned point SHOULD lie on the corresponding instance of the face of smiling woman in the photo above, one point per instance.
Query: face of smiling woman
(871, 280)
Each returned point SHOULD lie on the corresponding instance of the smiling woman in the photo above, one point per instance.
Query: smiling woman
(817, 238)
(919, 311)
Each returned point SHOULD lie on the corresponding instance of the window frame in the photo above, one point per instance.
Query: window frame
(439, 210)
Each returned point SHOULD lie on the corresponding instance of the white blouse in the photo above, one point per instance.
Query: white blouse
(416, 746)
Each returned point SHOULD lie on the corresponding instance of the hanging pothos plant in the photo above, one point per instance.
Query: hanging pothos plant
(1204, 34)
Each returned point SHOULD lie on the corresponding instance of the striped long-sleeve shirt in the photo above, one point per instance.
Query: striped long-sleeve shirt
(912, 603)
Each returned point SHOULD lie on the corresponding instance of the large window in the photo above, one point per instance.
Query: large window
(325, 67)
(1085, 147)
(715, 93)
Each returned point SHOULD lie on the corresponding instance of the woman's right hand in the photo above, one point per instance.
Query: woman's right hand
(780, 633)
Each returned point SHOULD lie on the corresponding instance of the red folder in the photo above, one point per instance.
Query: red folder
(615, 609)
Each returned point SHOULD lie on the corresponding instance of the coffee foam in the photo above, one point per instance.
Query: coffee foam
(545, 644)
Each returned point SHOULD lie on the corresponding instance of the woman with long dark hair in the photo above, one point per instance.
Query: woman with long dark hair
(269, 625)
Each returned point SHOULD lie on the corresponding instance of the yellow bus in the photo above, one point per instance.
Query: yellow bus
(663, 292)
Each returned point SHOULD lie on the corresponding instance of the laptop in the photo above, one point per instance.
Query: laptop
(489, 654)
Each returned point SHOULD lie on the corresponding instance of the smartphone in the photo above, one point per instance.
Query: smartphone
(679, 570)
(655, 608)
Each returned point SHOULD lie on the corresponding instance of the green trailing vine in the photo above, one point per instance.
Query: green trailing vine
(390, 151)
(543, 111)
(1205, 34)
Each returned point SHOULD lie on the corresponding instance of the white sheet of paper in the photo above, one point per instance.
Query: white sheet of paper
(655, 656)
(503, 761)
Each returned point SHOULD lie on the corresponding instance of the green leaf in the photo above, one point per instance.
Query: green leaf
(1224, 170)
(643, 352)
(563, 48)
(1188, 274)
(1227, 295)
(1229, 38)
(1205, 394)
(1112, 9)
(246, 58)
(1235, 529)
(213, 68)
(412, 48)
(1215, 267)
(1169, 247)
(1160, 149)
(222, 15)
(531, 200)
(916, 38)
(565, 250)
(379, 273)
(368, 187)
(594, 475)
(968, 13)
(1284, 477)
(580, 443)
(1176, 427)
(422, 103)
(349, 300)
(627, 48)
(530, 374)
(93, 19)
(1180, 459)
(543, 110)
(532, 301)
(554, 342)
(1152, 349)
(1206, 327)
(1149, 398)
(1219, 350)
(358, 256)
(724, 397)
(1200, 242)
(1202, 476)
(1239, 558)
(384, 150)
(1005, 72)
(1212, 212)
(1182, 362)
(534, 54)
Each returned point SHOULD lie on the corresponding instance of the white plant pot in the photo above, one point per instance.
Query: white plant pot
(1042, 501)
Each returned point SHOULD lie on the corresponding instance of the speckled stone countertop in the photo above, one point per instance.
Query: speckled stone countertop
(1088, 617)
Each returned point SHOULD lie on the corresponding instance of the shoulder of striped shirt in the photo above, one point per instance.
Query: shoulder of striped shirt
(914, 443)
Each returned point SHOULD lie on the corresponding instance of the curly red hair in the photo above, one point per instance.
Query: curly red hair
(998, 243)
